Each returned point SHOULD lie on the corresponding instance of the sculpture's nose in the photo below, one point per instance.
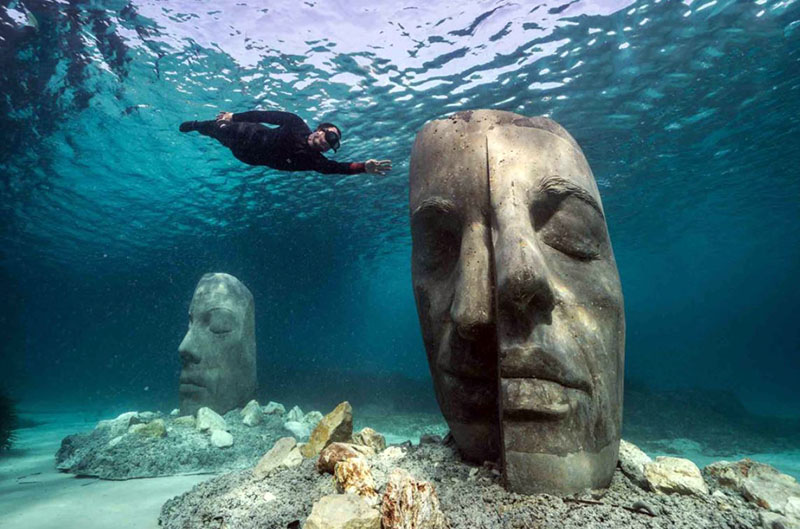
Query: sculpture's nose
(187, 351)
(523, 284)
(471, 310)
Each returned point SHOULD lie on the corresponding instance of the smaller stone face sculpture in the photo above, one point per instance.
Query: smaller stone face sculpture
(218, 353)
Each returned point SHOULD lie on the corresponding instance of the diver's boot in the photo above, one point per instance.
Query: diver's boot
(188, 126)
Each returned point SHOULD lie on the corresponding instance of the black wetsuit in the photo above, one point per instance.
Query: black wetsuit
(285, 147)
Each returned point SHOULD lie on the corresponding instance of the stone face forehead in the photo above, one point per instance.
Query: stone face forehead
(452, 157)
(221, 290)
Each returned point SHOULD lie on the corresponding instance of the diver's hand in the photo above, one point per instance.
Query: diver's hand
(225, 116)
(379, 167)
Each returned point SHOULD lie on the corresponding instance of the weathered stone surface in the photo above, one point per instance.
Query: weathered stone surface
(154, 429)
(393, 453)
(298, 429)
(335, 452)
(336, 426)
(251, 414)
(276, 457)
(143, 417)
(773, 520)
(343, 511)
(208, 419)
(221, 439)
(274, 408)
(187, 421)
(559, 412)
(632, 461)
(729, 474)
(410, 504)
(674, 475)
(353, 476)
(369, 437)
(218, 352)
(117, 426)
(759, 483)
(772, 490)
(312, 418)
(175, 412)
(295, 414)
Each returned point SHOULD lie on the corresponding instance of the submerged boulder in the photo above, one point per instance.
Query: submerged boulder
(208, 419)
(153, 429)
(410, 504)
(274, 408)
(284, 453)
(336, 426)
(674, 475)
(343, 511)
(369, 437)
(353, 476)
(221, 439)
(251, 414)
(336, 452)
(632, 461)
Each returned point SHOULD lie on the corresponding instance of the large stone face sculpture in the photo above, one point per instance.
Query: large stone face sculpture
(519, 298)
(218, 353)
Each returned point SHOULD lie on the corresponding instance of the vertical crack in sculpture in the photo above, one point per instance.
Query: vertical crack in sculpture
(516, 282)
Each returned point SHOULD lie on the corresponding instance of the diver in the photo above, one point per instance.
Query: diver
(292, 146)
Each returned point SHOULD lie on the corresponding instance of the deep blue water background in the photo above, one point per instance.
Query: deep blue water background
(688, 112)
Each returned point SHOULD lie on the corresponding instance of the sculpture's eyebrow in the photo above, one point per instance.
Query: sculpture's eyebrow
(436, 205)
(555, 185)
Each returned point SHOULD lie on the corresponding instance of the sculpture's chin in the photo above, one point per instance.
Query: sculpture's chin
(533, 473)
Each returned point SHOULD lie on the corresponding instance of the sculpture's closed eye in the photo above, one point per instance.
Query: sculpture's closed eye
(221, 321)
(569, 225)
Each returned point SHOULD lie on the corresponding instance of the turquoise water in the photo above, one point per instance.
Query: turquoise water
(688, 112)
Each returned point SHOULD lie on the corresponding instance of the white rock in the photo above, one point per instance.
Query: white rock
(295, 414)
(674, 475)
(294, 458)
(632, 461)
(115, 441)
(174, 413)
(393, 452)
(312, 418)
(208, 419)
(772, 490)
(221, 439)
(119, 425)
(274, 408)
(251, 414)
(773, 520)
(343, 511)
(299, 429)
(249, 406)
(268, 496)
(792, 507)
(282, 453)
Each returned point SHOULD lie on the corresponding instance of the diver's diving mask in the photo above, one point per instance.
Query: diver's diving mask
(333, 139)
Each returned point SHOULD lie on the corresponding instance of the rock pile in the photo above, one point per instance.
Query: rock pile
(150, 444)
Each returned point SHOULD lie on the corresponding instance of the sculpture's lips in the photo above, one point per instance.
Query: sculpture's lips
(190, 384)
(530, 361)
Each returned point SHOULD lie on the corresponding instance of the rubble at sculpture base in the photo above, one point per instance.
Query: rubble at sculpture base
(363, 484)
(153, 444)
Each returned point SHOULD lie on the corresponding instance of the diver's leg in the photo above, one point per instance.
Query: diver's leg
(225, 132)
